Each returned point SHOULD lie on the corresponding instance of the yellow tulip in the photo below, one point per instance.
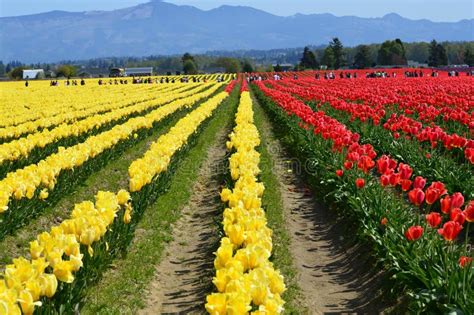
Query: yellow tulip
(43, 194)
(216, 304)
(27, 303)
(49, 285)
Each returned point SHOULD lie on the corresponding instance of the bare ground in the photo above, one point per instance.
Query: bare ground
(335, 276)
(184, 277)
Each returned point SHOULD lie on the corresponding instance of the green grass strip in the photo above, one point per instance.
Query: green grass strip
(273, 205)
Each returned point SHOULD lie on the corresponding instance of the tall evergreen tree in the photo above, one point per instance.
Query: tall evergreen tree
(469, 57)
(438, 56)
(328, 58)
(308, 61)
(338, 52)
(363, 57)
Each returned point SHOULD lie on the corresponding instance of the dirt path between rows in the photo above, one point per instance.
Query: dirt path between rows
(184, 276)
(334, 277)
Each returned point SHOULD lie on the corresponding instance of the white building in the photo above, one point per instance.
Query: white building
(32, 73)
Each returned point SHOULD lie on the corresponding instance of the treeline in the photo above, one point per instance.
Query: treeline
(335, 55)
(389, 53)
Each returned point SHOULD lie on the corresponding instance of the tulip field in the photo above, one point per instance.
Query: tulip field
(95, 181)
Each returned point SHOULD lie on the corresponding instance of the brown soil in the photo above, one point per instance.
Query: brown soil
(335, 276)
(184, 277)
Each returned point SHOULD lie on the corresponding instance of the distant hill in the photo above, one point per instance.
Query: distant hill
(163, 28)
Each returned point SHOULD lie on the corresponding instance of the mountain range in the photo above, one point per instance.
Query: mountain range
(161, 28)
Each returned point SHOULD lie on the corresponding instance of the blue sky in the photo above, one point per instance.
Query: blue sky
(437, 10)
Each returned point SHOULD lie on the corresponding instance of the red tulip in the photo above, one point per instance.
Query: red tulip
(360, 183)
(457, 200)
(432, 194)
(414, 232)
(348, 165)
(458, 216)
(416, 196)
(405, 170)
(365, 163)
(446, 204)
(384, 221)
(469, 211)
(406, 184)
(382, 164)
(469, 154)
(339, 173)
(419, 182)
(440, 186)
(394, 179)
(384, 180)
(464, 260)
(450, 230)
(433, 219)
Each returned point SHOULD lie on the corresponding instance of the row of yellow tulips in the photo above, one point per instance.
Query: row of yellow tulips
(23, 183)
(85, 107)
(56, 256)
(40, 101)
(245, 278)
(157, 158)
(22, 147)
(43, 103)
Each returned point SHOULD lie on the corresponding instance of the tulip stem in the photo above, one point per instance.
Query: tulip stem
(466, 245)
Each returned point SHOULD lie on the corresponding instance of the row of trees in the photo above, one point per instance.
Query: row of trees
(390, 52)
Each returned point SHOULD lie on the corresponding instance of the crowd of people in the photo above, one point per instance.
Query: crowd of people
(68, 82)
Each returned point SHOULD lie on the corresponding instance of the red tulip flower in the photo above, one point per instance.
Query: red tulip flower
(339, 173)
(394, 179)
(463, 261)
(384, 180)
(360, 183)
(405, 170)
(416, 196)
(432, 194)
(446, 204)
(406, 184)
(413, 233)
(348, 165)
(433, 219)
(457, 200)
(458, 216)
(440, 186)
(419, 182)
(384, 221)
(450, 230)
(469, 211)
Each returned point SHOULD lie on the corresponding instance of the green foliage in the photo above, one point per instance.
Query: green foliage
(186, 57)
(66, 71)
(308, 61)
(363, 58)
(189, 67)
(338, 52)
(230, 65)
(2, 69)
(16, 73)
(469, 57)
(247, 66)
(328, 58)
(438, 56)
(392, 52)
(277, 68)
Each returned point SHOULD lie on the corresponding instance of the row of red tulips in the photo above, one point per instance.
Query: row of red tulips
(380, 112)
(435, 164)
(360, 163)
(445, 102)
